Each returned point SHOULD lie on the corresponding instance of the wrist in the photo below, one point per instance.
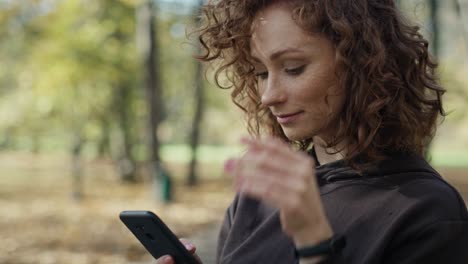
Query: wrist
(311, 236)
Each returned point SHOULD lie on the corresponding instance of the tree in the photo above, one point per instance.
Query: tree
(398, 2)
(199, 107)
(459, 11)
(149, 53)
(434, 23)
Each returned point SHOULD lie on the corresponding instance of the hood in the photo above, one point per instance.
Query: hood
(397, 163)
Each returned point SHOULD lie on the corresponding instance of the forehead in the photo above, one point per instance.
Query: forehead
(274, 28)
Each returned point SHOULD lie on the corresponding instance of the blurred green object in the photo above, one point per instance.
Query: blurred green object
(166, 186)
(162, 184)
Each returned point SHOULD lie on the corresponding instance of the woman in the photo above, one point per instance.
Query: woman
(347, 93)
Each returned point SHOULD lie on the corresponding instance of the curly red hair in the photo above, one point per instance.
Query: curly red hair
(393, 98)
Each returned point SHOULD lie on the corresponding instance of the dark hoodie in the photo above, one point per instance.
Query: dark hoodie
(401, 211)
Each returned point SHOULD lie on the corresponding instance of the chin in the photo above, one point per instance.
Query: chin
(297, 135)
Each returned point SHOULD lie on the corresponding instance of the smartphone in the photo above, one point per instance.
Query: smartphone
(156, 237)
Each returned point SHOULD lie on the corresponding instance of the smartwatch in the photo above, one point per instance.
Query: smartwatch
(327, 247)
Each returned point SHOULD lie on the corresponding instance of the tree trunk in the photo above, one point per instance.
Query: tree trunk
(7, 140)
(148, 47)
(192, 179)
(398, 3)
(126, 161)
(77, 167)
(459, 12)
(434, 22)
(103, 146)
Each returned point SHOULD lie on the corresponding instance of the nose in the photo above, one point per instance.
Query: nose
(272, 92)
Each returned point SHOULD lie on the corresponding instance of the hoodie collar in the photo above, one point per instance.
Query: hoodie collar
(397, 163)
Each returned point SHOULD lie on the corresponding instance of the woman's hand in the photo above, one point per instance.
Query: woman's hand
(274, 173)
(166, 259)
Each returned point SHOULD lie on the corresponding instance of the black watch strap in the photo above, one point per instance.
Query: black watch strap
(327, 247)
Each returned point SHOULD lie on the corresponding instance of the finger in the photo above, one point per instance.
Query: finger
(273, 146)
(285, 150)
(249, 141)
(278, 190)
(291, 172)
(229, 165)
(188, 245)
(198, 258)
(271, 143)
(264, 180)
(166, 259)
(277, 165)
(265, 191)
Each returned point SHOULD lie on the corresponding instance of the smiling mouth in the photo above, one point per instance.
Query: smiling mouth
(288, 118)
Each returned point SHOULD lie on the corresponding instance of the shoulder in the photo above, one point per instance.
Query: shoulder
(431, 223)
(427, 194)
(420, 187)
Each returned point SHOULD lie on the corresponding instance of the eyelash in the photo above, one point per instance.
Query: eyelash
(293, 72)
(261, 75)
(296, 71)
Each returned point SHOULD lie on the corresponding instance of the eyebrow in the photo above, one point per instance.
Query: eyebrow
(279, 53)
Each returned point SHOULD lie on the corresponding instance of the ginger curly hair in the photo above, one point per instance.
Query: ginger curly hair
(393, 98)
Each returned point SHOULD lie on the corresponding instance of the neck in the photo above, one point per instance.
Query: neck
(326, 155)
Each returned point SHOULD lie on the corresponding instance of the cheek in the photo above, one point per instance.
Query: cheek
(323, 97)
(318, 89)
(260, 86)
(335, 101)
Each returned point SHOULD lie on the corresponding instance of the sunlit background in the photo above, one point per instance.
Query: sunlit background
(79, 144)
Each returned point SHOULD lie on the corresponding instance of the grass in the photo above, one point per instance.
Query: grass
(42, 224)
(218, 154)
(206, 153)
(450, 158)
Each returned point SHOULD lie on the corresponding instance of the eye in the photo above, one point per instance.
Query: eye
(295, 71)
(261, 75)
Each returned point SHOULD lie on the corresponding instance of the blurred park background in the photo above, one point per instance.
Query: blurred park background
(104, 109)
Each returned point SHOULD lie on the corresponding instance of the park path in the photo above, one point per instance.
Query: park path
(205, 240)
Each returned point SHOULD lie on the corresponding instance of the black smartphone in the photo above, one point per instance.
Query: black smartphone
(157, 238)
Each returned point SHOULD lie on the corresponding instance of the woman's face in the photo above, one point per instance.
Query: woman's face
(296, 74)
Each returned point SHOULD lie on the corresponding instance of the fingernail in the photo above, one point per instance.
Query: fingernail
(189, 246)
(167, 260)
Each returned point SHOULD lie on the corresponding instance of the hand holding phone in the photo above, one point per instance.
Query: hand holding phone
(156, 237)
(166, 259)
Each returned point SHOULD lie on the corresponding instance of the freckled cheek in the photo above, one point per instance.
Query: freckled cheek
(312, 92)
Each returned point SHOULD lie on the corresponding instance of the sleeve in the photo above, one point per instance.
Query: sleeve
(225, 229)
(440, 242)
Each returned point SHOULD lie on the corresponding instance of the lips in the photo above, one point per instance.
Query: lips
(287, 118)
